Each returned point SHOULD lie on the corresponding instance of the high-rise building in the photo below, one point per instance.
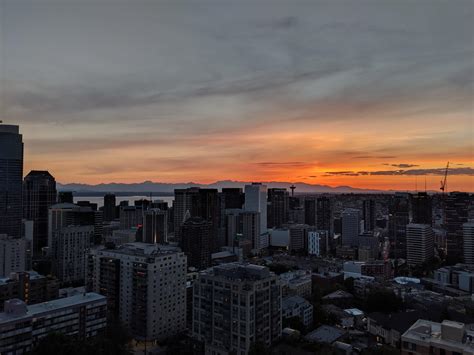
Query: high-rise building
(420, 243)
(65, 197)
(39, 194)
(69, 252)
(155, 226)
(12, 255)
(468, 242)
(251, 229)
(318, 243)
(421, 208)
(350, 226)
(131, 217)
(233, 198)
(256, 201)
(206, 206)
(456, 214)
(277, 208)
(368, 214)
(324, 215)
(11, 180)
(147, 282)
(21, 326)
(235, 306)
(233, 225)
(182, 206)
(109, 207)
(196, 242)
(298, 237)
(399, 217)
(310, 211)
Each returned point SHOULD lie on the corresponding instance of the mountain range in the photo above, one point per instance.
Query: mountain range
(167, 188)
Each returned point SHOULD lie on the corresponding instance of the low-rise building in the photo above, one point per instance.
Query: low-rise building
(21, 326)
(296, 306)
(427, 337)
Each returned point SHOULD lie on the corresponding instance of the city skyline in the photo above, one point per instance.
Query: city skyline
(171, 93)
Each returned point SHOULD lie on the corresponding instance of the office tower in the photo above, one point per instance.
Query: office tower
(147, 282)
(310, 211)
(69, 252)
(318, 243)
(251, 229)
(468, 242)
(155, 226)
(11, 180)
(350, 226)
(369, 246)
(368, 211)
(39, 194)
(65, 197)
(206, 205)
(421, 208)
(67, 214)
(298, 237)
(196, 242)
(296, 211)
(399, 217)
(28, 286)
(256, 201)
(22, 327)
(233, 225)
(130, 217)
(420, 243)
(162, 205)
(109, 207)
(182, 205)
(12, 254)
(324, 215)
(277, 207)
(456, 214)
(233, 198)
(235, 306)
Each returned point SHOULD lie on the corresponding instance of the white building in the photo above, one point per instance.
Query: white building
(256, 201)
(21, 326)
(350, 226)
(468, 242)
(318, 242)
(12, 255)
(145, 284)
(420, 243)
(69, 252)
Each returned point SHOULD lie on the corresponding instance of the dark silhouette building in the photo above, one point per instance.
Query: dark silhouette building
(456, 214)
(109, 207)
(65, 197)
(155, 226)
(324, 214)
(421, 208)
(39, 194)
(11, 180)
(399, 217)
(310, 211)
(233, 198)
(196, 242)
(278, 207)
(368, 214)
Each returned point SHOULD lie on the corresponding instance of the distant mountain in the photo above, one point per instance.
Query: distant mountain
(159, 187)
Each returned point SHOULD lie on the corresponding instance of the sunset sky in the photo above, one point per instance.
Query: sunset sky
(373, 94)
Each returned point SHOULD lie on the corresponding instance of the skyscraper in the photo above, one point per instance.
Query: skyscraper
(39, 194)
(233, 198)
(196, 242)
(368, 210)
(324, 214)
(256, 201)
(420, 243)
(182, 205)
(155, 226)
(310, 211)
(456, 214)
(11, 180)
(421, 208)
(278, 206)
(399, 217)
(109, 207)
(350, 226)
(468, 242)
(235, 306)
(251, 228)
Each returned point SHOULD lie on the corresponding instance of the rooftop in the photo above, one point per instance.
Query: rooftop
(240, 271)
(325, 334)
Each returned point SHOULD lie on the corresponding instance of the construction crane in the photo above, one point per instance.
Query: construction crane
(444, 182)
